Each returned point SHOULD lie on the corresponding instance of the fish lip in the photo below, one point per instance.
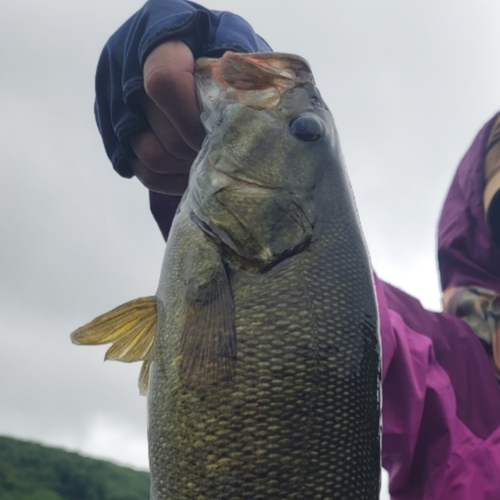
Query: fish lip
(252, 185)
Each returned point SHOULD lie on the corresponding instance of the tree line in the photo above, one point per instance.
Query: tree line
(30, 471)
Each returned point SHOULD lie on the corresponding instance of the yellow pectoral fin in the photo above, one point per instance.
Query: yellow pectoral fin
(131, 329)
(144, 378)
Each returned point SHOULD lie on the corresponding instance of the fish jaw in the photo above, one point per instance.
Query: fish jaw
(253, 186)
(256, 80)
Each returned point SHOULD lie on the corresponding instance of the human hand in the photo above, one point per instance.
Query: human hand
(165, 151)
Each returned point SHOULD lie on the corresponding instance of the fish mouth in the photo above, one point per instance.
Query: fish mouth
(256, 80)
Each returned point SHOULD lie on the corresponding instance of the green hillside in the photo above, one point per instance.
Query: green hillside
(30, 471)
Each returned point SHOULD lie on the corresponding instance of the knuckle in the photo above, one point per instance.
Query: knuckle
(179, 149)
(152, 154)
(145, 176)
(158, 82)
(167, 184)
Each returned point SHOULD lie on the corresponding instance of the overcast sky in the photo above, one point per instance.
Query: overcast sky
(409, 85)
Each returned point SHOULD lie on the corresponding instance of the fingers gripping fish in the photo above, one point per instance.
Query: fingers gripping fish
(260, 349)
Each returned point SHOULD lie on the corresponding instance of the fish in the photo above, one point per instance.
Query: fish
(260, 349)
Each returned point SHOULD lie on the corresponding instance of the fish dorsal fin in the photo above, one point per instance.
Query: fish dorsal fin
(131, 329)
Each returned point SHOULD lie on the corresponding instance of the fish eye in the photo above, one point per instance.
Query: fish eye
(306, 128)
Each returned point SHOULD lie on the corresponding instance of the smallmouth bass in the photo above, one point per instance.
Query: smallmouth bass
(260, 350)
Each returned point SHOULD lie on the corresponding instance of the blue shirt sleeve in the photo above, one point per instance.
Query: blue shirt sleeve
(119, 81)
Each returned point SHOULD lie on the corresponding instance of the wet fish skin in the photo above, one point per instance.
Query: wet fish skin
(265, 375)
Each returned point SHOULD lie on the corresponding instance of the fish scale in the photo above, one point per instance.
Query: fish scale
(263, 358)
(300, 420)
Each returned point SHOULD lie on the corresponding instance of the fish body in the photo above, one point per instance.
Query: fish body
(265, 367)
(286, 404)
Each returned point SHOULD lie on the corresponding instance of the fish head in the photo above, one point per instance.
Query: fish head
(270, 139)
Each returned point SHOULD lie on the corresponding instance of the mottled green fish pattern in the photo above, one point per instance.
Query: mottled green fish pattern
(263, 358)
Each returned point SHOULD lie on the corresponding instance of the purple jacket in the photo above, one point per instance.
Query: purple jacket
(441, 399)
(466, 253)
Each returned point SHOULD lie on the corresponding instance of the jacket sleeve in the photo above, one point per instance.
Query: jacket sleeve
(119, 79)
(441, 404)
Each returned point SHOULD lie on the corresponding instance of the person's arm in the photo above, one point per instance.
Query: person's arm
(145, 105)
(441, 404)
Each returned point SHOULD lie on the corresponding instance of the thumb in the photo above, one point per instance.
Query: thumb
(169, 83)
